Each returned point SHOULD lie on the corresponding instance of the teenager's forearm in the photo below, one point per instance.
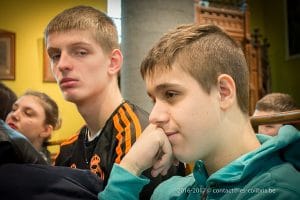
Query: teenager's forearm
(122, 185)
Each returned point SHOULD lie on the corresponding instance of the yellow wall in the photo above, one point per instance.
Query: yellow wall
(28, 18)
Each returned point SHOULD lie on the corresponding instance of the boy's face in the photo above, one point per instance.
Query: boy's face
(188, 115)
(78, 63)
(267, 129)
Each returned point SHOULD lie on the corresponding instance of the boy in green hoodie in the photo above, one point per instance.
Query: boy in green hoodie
(197, 77)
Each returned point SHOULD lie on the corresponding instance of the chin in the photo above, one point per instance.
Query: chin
(68, 96)
(181, 157)
(184, 155)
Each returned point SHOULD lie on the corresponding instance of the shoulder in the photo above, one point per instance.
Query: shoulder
(141, 115)
(129, 113)
(71, 141)
(66, 148)
(280, 181)
(285, 176)
(135, 110)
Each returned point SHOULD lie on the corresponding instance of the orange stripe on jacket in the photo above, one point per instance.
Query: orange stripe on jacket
(71, 140)
(119, 138)
(127, 130)
(136, 122)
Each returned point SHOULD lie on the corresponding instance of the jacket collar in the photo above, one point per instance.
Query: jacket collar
(273, 150)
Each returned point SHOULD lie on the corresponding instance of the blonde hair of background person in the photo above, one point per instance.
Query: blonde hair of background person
(36, 116)
(270, 104)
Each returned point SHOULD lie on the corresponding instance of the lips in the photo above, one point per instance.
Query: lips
(13, 126)
(169, 134)
(67, 82)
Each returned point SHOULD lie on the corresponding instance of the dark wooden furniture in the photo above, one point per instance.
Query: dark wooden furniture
(234, 19)
(290, 117)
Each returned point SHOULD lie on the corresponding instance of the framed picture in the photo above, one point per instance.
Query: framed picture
(292, 28)
(47, 74)
(7, 55)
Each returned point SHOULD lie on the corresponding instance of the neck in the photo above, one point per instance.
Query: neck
(37, 145)
(97, 111)
(233, 145)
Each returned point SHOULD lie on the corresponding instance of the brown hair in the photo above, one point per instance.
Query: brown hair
(50, 107)
(7, 99)
(86, 18)
(205, 52)
(277, 102)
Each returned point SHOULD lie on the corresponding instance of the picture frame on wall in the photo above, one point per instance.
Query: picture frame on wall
(47, 74)
(7, 55)
(292, 18)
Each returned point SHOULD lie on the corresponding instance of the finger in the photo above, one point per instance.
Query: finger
(165, 171)
(156, 172)
(165, 161)
(161, 168)
(166, 146)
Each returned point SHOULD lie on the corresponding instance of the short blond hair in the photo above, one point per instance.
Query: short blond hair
(86, 18)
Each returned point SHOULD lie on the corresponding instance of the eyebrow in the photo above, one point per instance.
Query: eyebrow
(163, 86)
(25, 107)
(51, 49)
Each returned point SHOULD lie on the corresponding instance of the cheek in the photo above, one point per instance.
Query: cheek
(97, 76)
(274, 130)
(200, 126)
(201, 119)
(267, 130)
(31, 128)
(8, 117)
(262, 129)
(55, 72)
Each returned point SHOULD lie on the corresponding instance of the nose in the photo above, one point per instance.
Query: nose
(14, 115)
(64, 63)
(159, 114)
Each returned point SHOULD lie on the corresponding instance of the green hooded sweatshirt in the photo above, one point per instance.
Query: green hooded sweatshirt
(269, 172)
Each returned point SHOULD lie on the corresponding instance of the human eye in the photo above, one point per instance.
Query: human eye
(29, 112)
(170, 95)
(80, 52)
(270, 126)
(54, 56)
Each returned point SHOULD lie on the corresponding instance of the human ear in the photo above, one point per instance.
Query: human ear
(47, 131)
(227, 91)
(116, 61)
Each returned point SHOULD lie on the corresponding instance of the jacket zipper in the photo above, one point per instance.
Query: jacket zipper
(204, 195)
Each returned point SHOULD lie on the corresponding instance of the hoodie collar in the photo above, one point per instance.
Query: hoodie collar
(285, 143)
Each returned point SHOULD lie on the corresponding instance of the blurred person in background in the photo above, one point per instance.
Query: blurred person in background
(270, 104)
(36, 116)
